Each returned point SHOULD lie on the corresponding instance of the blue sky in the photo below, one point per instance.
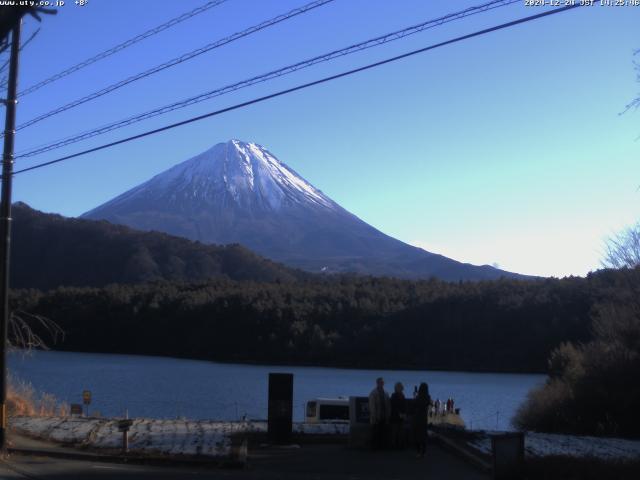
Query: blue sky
(507, 148)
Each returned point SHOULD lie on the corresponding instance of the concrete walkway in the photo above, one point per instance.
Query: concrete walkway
(340, 462)
(22, 445)
(330, 462)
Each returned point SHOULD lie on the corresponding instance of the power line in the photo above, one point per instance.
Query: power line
(374, 42)
(176, 61)
(4, 81)
(302, 87)
(122, 46)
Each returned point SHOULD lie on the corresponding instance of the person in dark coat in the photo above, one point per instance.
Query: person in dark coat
(398, 414)
(420, 418)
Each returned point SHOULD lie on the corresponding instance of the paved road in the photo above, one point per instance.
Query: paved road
(322, 462)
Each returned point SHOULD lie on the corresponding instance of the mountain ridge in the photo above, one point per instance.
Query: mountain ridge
(239, 192)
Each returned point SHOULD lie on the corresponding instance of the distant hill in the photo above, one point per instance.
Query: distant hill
(238, 192)
(51, 250)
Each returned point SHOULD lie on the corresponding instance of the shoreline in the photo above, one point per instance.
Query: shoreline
(287, 364)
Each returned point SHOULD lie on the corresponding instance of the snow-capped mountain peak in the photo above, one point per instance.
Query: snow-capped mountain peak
(242, 173)
(239, 192)
(265, 174)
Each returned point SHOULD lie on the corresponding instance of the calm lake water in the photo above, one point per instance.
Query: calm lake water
(159, 387)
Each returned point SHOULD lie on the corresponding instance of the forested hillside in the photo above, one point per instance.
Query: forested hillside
(51, 250)
(502, 325)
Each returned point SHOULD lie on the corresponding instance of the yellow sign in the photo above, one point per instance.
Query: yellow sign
(86, 397)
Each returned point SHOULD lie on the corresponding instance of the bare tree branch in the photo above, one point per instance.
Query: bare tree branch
(22, 327)
(623, 250)
(635, 103)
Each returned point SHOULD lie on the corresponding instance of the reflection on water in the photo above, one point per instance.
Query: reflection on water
(166, 387)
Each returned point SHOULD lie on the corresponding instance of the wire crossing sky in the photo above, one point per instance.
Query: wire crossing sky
(505, 148)
(175, 61)
(374, 42)
(299, 87)
(113, 50)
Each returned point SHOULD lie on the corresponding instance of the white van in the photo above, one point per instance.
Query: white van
(328, 410)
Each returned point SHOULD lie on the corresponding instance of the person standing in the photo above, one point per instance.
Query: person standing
(398, 413)
(379, 413)
(420, 419)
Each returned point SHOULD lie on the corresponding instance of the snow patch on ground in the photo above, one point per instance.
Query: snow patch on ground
(547, 444)
(151, 436)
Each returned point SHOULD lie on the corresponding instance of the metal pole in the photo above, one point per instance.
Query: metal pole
(5, 222)
(125, 441)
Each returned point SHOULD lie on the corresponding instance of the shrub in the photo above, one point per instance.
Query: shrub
(23, 399)
(592, 387)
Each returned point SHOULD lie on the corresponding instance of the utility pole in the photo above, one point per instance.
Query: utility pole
(5, 222)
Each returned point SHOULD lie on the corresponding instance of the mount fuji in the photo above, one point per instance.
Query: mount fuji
(238, 192)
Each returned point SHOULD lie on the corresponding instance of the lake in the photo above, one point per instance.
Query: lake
(160, 387)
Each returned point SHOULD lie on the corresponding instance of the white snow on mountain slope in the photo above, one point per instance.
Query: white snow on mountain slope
(245, 172)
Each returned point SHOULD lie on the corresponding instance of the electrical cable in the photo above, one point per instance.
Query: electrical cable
(303, 86)
(380, 40)
(175, 61)
(122, 46)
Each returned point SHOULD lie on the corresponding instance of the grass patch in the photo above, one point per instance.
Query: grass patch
(24, 399)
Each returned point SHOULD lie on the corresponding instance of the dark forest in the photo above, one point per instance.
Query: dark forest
(503, 325)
